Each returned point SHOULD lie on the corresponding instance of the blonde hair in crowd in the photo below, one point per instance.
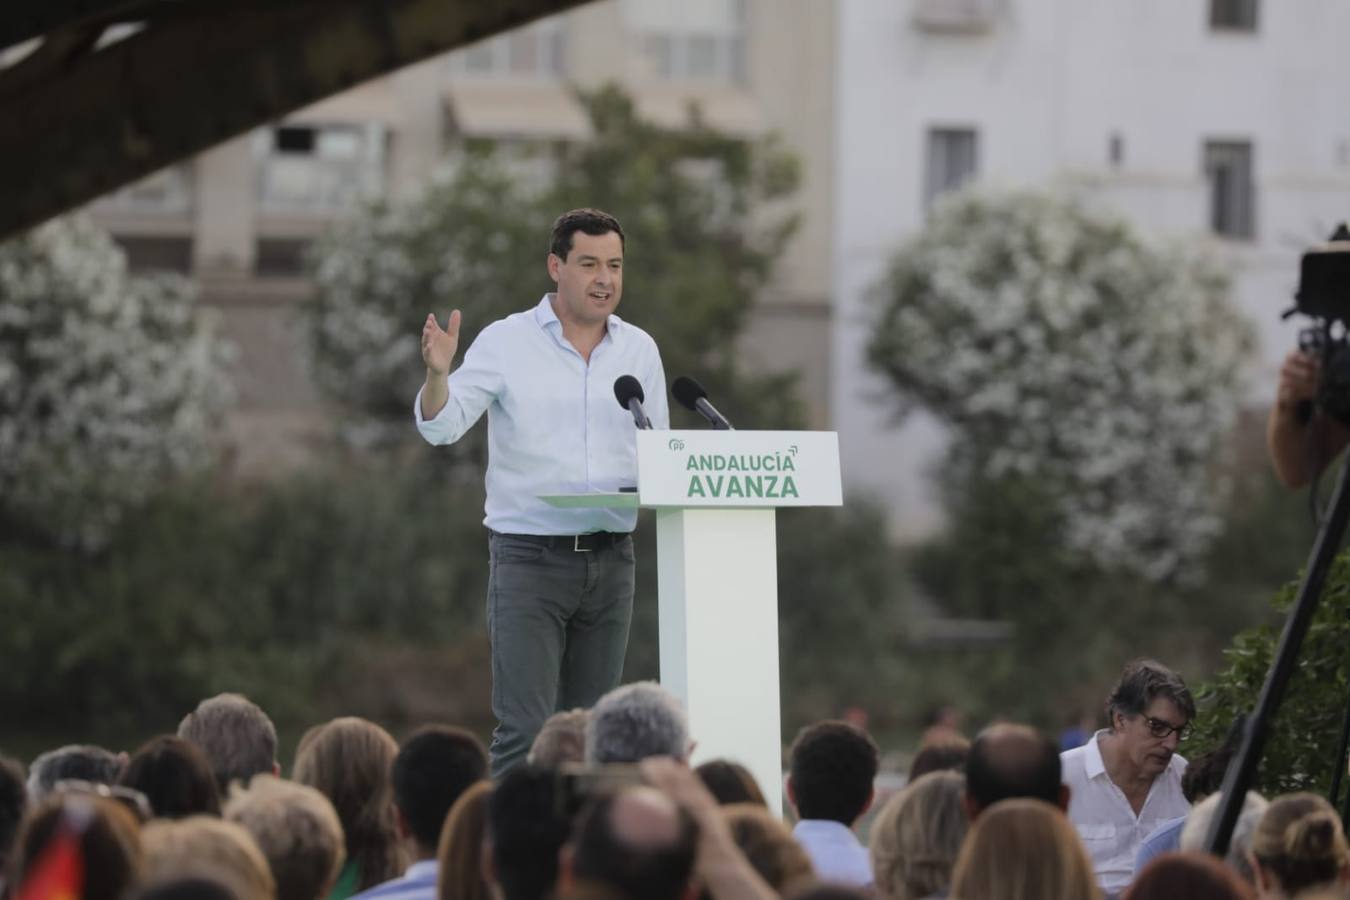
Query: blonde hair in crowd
(768, 846)
(297, 830)
(917, 836)
(1300, 842)
(207, 847)
(1023, 849)
(460, 854)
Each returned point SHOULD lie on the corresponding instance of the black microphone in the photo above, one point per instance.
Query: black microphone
(691, 395)
(628, 391)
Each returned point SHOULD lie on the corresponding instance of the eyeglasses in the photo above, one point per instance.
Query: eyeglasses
(135, 801)
(1160, 728)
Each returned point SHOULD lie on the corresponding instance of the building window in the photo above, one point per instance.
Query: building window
(701, 40)
(1232, 193)
(1232, 15)
(280, 257)
(951, 161)
(536, 50)
(319, 168)
(157, 254)
(295, 139)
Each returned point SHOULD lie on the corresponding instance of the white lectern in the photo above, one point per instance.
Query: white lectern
(715, 493)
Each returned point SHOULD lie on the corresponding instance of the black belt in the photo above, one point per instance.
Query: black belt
(581, 543)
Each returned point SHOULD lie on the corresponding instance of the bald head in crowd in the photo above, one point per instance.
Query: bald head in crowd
(637, 843)
(1008, 760)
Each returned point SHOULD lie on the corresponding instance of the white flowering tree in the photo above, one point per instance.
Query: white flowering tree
(464, 242)
(108, 383)
(1064, 351)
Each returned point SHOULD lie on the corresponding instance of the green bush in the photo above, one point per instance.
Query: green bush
(358, 587)
(285, 592)
(1302, 736)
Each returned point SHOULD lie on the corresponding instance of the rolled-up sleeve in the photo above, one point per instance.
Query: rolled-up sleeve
(473, 387)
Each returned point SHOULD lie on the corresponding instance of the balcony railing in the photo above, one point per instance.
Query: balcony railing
(168, 192)
(957, 16)
(308, 184)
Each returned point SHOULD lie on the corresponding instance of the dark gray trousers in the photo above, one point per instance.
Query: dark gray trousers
(558, 624)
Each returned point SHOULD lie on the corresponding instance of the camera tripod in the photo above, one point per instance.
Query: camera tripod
(1242, 769)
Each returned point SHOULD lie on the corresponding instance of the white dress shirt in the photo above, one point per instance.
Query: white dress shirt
(1106, 822)
(554, 425)
(836, 853)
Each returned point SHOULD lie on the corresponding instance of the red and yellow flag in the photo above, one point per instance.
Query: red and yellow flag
(58, 873)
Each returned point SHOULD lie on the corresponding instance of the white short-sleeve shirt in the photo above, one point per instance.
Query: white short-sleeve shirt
(1103, 817)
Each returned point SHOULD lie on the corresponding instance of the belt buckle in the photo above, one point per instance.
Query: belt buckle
(576, 544)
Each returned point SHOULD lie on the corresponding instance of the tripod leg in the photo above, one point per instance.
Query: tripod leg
(1242, 770)
(1339, 771)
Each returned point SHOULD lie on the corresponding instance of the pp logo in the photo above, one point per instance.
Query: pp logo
(676, 444)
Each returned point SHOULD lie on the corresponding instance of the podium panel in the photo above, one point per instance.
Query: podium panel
(741, 469)
(715, 493)
(717, 574)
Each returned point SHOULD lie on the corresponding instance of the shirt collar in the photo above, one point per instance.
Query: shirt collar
(823, 829)
(1093, 755)
(545, 317)
(422, 870)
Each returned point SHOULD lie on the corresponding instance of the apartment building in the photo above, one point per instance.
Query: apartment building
(1222, 120)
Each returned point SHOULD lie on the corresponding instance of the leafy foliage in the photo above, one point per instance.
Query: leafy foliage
(1073, 623)
(1299, 753)
(108, 383)
(1062, 350)
(286, 592)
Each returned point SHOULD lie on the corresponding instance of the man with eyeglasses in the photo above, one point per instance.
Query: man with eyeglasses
(1126, 780)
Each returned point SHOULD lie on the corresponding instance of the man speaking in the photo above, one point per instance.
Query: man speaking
(560, 586)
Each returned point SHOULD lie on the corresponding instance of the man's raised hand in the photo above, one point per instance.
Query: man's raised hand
(439, 345)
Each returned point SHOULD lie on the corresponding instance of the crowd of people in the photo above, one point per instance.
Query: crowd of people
(607, 805)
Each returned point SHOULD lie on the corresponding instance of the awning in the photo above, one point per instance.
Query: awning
(504, 109)
(373, 101)
(725, 109)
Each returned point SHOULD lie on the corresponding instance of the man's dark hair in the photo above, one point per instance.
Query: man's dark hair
(827, 891)
(75, 762)
(1204, 772)
(940, 757)
(730, 782)
(1008, 760)
(832, 766)
(1142, 682)
(13, 801)
(433, 767)
(185, 887)
(174, 776)
(238, 738)
(588, 221)
(527, 825)
(604, 855)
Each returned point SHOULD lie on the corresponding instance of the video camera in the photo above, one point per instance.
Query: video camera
(1324, 295)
